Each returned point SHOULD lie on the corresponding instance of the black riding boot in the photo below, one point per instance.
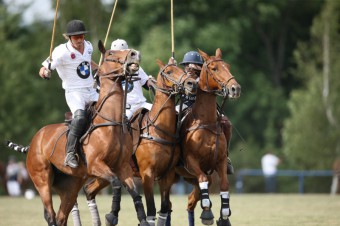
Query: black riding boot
(77, 128)
(70, 159)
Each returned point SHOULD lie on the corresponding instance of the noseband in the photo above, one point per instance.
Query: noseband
(224, 90)
(176, 87)
(124, 66)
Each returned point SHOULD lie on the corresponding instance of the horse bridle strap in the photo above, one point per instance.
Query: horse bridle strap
(222, 84)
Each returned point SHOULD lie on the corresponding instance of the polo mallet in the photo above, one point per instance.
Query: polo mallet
(108, 30)
(172, 30)
(52, 39)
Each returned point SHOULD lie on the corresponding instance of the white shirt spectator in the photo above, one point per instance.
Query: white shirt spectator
(269, 164)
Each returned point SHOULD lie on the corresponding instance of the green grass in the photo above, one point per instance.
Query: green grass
(252, 210)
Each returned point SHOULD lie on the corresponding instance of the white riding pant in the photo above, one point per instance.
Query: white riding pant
(77, 98)
(135, 107)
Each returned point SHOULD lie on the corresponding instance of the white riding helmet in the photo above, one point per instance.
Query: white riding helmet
(119, 44)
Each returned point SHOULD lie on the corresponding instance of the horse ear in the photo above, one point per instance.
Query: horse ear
(101, 47)
(160, 63)
(204, 55)
(218, 53)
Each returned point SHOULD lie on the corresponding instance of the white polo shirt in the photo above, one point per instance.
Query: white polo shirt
(73, 68)
(135, 91)
(269, 164)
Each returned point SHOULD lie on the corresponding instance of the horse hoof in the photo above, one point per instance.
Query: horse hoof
(111, 220)
(207, 217)
(222, 222)
(144, 223)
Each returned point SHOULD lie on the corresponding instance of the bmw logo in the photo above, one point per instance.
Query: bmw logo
(83, 70)
(130, 86)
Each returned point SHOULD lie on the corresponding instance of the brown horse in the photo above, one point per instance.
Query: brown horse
(107, 147)
(204, 147)
(156, 143)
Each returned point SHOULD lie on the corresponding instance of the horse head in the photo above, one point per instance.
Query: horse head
(216, 78)
(125, 62)
(174, 78)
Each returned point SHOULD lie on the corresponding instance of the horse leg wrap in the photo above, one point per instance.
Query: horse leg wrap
(139, 208)
(76, 215)
(50, 219)
(168, 219)
(207, 216)
(205, 201)
(151, 220)
(111, 219)
(94, 212)
(225, 209)
(116, 198)
(191, 217)
(162, 219)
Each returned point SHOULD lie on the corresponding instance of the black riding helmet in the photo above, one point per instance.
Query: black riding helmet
(75, 27)
(192, 57)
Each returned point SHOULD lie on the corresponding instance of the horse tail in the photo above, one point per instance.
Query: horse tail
(17, 147)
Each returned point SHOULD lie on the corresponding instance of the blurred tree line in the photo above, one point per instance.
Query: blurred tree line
(284, 53)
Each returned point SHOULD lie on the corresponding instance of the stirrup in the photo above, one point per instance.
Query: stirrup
(71, 160)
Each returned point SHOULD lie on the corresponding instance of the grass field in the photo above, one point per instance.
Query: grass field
(252, 210)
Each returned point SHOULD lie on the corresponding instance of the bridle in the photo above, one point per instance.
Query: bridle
(223, 92)
(177, 87)
(124, 66)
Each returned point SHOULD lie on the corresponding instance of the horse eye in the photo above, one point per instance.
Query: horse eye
(214, 69)
(169, 72)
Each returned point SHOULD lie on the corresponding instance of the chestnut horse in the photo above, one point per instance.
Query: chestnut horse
(156, 143)
(106, 147)
(204, 146)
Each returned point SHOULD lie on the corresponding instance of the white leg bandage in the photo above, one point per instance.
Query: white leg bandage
(76, 215)
(225, 210)
(94, 212)
(204, 194)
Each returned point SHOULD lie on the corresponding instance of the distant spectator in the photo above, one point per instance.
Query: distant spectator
(12, 174)
(269, 167)
(23, 177)
(335, 188)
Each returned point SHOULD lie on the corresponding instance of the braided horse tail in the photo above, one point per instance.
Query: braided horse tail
(17, 147)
